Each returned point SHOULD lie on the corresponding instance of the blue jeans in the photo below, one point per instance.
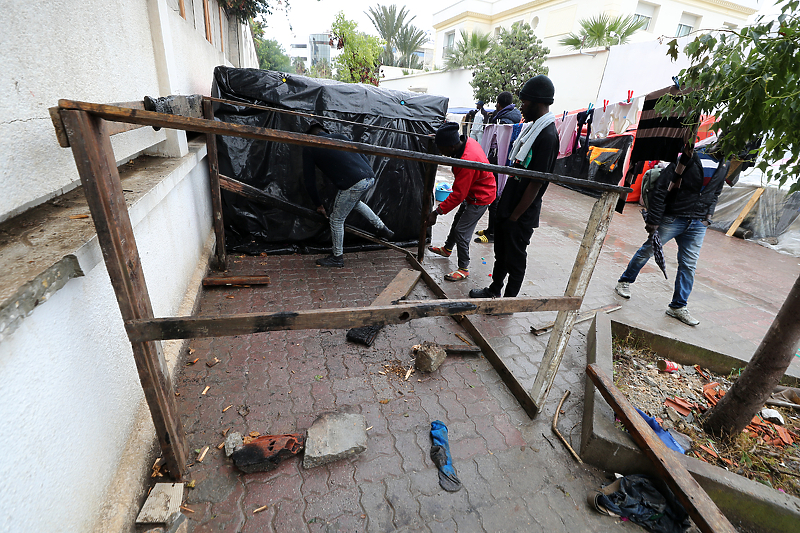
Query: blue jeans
(688, 234)
(346, 201)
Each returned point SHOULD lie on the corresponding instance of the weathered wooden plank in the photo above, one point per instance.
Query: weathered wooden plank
(242, 324)
(400, 287)
(216, 197)
(514, 386)
(94, 157)
(150, 118)
(425, 136)
(427, 207)
(745, 210)
(581, 274)
(698, 504)
(212, 281)
(248, 191)
(460, 348)
(115, 128)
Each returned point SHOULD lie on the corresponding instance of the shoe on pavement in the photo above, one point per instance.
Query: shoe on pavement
(440, 250)
(385, 233)
(623, 288)
(482, 293)
(335, 261)
(682, 314)
(484, 239)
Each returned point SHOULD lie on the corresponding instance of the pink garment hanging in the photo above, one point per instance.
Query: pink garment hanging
(567, 130)
(499, 134)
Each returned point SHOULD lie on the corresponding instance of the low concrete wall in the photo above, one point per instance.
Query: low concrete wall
(743, 501)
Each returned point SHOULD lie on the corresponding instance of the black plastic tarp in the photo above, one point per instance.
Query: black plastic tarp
(277, 168)
(600, 165)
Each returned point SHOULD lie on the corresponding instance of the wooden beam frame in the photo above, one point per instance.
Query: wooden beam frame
(94, 157)
(216, 196)
(148, 329)
(579, 278)
(83, 126)
(697, 503)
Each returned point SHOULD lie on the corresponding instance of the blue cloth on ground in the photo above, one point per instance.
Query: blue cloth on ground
(665, 437)
(440, 454)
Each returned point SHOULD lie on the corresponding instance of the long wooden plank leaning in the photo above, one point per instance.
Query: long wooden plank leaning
(216, 196)
(745, 210)
(94, 157)
(697, 503)
(136, 116)
(147, 329)
(579, 278)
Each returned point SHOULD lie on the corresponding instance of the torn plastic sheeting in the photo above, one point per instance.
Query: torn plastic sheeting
(773, 215)
(277, 168)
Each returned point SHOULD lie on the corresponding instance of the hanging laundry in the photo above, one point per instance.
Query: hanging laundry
(601, 123)
(584, 117)
(660, 138)
(624, 114)
(566, 127)
(499, 137)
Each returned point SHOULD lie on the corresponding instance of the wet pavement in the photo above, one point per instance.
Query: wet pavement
(516, 475)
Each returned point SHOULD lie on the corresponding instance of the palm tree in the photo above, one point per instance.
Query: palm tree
(409, 40)
(604, 30)
(469, 51)
(388, 21)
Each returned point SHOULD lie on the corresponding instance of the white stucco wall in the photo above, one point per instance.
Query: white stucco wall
(453, 84)
(71, 392)
(75, 50)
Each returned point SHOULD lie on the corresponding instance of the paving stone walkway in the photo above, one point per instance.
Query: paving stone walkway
(517, 476)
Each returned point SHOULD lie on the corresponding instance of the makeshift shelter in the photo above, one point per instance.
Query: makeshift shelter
(277, 168)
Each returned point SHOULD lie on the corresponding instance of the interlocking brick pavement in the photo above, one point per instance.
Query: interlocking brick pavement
(516, 475)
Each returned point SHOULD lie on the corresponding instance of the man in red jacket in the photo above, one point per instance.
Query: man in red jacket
(475, 188)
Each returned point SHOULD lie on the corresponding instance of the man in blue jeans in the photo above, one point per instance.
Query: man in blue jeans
(352, 174)
(681, 207)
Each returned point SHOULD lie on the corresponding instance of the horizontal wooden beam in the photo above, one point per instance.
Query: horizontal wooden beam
(149, 118)
(698, 504)
(213, 281)
(243, 324)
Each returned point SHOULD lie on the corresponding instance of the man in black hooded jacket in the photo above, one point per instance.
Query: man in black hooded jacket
(680, 208)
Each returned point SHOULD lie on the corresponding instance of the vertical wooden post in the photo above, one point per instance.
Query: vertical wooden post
(94, 157)
(216, 198)
(427, 206)
(579, 279)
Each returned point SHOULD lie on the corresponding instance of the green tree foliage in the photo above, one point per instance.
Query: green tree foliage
(321, 70)
(246, 9)
(603, 30)
(360, 57)
(409, 40)
(299, 65)
(389, 22)
(516, 56)
(271, 55)
(750, 80)
(469, 52)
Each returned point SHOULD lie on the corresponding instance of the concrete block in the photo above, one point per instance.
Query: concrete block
(335, 436)
(233, 441)
(429, 356)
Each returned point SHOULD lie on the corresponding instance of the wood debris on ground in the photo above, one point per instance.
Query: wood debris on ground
(765, 451)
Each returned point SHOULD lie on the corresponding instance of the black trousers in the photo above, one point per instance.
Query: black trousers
(511, 240)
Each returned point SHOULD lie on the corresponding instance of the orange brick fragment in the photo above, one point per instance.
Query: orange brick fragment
(709, 451)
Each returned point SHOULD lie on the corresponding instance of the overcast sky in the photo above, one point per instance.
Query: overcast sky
(305, 17)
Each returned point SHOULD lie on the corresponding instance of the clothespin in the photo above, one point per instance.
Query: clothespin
(605, 104)
(676, 81)
(591, 105)
(630, 95)
(564, 116)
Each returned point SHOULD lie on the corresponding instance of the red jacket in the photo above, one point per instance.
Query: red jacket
(477, 187)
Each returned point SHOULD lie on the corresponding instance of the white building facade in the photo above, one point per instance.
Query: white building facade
(79, 435)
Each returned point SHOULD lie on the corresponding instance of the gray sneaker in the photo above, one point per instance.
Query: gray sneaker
(623, 288)
(682, 314)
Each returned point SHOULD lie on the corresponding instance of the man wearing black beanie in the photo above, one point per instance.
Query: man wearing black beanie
(518, 210)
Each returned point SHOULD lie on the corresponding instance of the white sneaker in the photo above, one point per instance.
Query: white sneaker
(623, 288)
(682, 314)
